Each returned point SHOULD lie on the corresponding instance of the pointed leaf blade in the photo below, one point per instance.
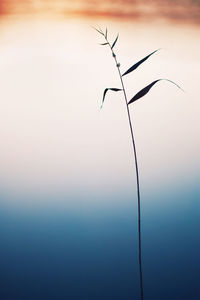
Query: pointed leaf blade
(98, 30)
(106, 90)
(143, 92)
(104, 94)
(135, 66)
(146, 89)
(115, 41)
(106, 34)
(115, 89)
(104, 44)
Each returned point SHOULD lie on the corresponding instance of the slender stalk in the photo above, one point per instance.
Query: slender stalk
(136, 169)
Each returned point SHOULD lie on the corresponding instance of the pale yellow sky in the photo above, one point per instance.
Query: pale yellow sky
(53, 134)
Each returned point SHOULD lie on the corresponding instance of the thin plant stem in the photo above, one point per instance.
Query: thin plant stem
(136, 169)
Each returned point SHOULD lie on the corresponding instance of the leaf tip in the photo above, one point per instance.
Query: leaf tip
(98, 30)
(106, 34)
(115, 41)
(174, 84)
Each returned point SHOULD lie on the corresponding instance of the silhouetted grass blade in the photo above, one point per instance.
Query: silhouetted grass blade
(146, 89)
(135, 66)
(143, 92)
(106, 34)
(115, 41)
(105, 91)
(98, 30)
(104, 44)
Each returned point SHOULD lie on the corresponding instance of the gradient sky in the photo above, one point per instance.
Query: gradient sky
(55, 140)
(53, 74)
(68, 205)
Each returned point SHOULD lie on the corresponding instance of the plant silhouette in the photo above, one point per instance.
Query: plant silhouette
(139, 95)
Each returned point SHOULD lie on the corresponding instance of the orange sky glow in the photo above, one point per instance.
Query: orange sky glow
(173, 10)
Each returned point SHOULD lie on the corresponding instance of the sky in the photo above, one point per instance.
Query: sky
(167, 9)
(57, 130)
(68, 201)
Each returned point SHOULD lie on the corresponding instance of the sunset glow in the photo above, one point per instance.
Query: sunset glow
(137, 10)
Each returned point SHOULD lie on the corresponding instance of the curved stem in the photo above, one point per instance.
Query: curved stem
(136, 169)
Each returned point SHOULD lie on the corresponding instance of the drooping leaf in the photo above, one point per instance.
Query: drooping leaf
(115, 41)
(105, 91)
(173, 83)
(104, 44)
(146, 89)
(135, 66)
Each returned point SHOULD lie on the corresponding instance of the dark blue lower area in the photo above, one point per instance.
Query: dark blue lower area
(53, 253)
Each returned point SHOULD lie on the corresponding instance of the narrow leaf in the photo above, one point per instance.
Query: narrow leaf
(146, 89)
(115, 41)
(143, 92)
(139, 63)
(104, 44)
(106, 34)
(115, 89)
(105, 91)
(99, 31)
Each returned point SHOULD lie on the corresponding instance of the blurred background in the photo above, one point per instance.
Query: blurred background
(175, 10)
(68, 205)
